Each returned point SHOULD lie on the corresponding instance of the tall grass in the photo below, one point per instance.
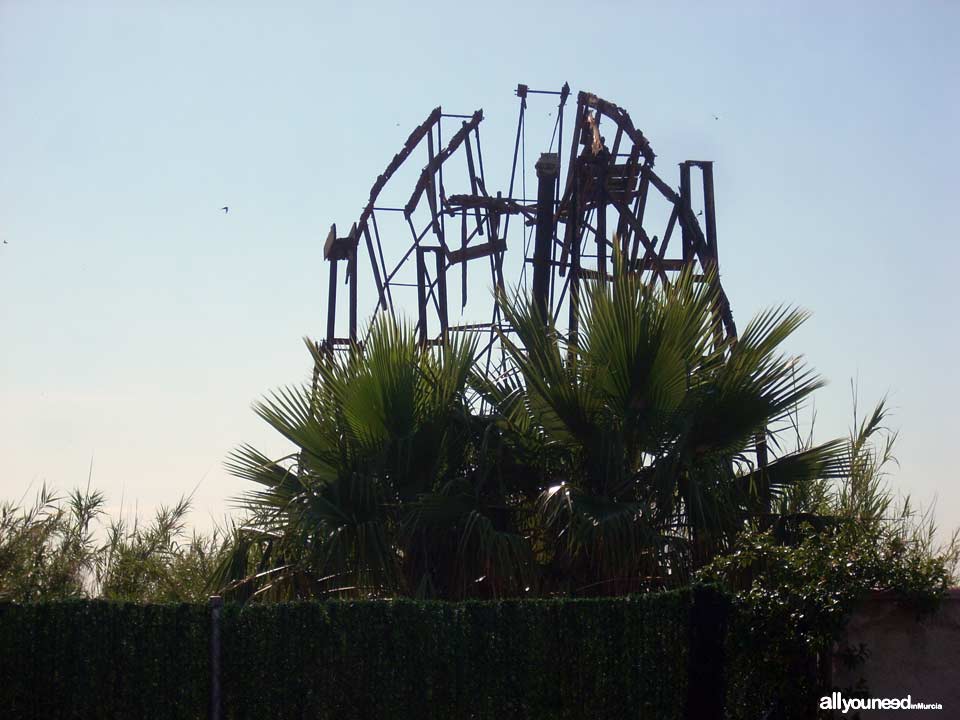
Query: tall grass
(62, 547)
(866, 496)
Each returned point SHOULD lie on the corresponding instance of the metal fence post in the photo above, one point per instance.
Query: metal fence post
(706, 674)
(216, 605)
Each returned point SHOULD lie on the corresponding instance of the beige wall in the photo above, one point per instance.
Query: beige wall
(920, 659)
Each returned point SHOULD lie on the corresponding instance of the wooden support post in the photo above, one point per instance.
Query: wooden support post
(421, 297)
(573, 217)
(352, 279)
(441, 291)
(548, 169)
(601, 190)
(335, 250)
(709, 209)
(463, 268)
(686, 236)
(564, 94)
(332, 302)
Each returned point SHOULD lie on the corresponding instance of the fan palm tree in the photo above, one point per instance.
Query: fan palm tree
(603, 466)
(385, 494)
(649, 427)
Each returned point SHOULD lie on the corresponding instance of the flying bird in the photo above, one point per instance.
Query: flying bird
(225, 209)
(716, 117)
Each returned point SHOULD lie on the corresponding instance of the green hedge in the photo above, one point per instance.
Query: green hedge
(95, 659)
(536, 660)
(527, 659)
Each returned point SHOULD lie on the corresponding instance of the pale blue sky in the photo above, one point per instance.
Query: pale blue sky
(137, 322)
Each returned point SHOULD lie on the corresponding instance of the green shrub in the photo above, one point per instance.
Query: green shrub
(793, 603)
(796, 583)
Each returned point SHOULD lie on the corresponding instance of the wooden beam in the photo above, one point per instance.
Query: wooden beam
(441, 157)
